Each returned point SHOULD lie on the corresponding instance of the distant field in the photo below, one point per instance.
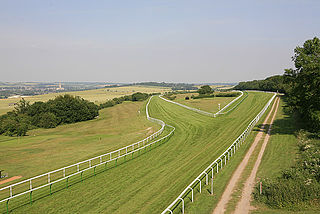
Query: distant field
(205, 104)
(150, 182)
(97, 96)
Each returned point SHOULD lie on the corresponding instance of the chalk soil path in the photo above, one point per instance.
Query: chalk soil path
(10, 179)
(243, 205)
(226, 196)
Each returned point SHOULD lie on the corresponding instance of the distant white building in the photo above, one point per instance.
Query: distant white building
(60, 87)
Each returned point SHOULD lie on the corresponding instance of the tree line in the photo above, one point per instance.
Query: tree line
(138, 96)
(173, 86)
(299, 185)
(63, 109)
(301, 84)
(274, 83)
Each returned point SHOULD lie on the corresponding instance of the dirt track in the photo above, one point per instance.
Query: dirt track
(10, 179)
(244, 204)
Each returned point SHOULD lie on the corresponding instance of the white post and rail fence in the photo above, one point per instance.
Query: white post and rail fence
(203, 179)
(221, 111)
(100, 163)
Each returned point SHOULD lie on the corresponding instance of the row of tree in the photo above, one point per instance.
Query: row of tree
(275, 83)
(299, 185)
(301, 84)
(63, 109)
(134, 97)
(173, 86)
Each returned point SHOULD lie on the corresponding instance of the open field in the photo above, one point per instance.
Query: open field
(48, 149)
(204, 104)
(97, 96)
(149, 183)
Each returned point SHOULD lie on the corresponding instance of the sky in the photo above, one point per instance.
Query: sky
(153, 40)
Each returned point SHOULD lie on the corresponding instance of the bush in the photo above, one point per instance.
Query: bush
(138, 96)
(62, 109)
(205, 89)
(46, 120)
(200, 96)
(70, 109)
(13, 124)
(232, 94)
(298, 185)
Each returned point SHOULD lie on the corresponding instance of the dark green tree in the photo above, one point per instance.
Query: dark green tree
(304, 81)
(205, 89)
(22, 106)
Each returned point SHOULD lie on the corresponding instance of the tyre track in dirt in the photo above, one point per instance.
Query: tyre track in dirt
(245, 200)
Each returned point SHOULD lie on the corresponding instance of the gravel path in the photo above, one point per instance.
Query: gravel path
(226, 196)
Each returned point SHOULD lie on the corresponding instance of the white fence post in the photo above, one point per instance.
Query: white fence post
(182, 205)
(230, 150)
(191, 194)
(89, 161)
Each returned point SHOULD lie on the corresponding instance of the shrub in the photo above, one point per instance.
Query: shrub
(232, 94)
(46, 120)
(298, 185)
(138, 96)
(62, 109)
(200, 96)
(205, 89)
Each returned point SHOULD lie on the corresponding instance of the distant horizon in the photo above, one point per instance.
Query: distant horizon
(141, 41)
(209, 83)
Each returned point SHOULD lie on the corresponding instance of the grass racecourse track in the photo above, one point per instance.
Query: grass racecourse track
(97, 96)
(48, 149)
(150, 182)
(205, 104)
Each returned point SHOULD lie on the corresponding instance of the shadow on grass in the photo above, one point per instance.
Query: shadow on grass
(288, 125)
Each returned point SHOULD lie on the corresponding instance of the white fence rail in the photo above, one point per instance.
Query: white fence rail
(49, 178)
(188, 107)
(204, 112)
(220, 112)
(215, 165)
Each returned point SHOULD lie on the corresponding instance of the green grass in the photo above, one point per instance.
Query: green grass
(149, 183)
(48, 149)
(207, 202)
(280, 154)
(236, 194)
(282, 148)
(205, 104)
